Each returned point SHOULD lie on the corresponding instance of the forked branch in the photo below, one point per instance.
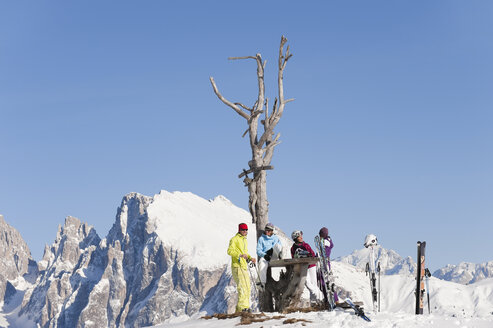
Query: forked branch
(227, 102)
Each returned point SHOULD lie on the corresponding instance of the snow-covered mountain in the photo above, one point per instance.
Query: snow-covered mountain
(390, 261)
(164, 257)
(465, 273)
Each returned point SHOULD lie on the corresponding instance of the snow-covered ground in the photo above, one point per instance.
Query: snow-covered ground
(452, 305)
(344, 319)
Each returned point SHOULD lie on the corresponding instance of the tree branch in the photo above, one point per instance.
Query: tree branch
(227, 102)
(272, 144)
(244, 57)
(243, 106)
(258, 108)
(278, 110)
(269, 153)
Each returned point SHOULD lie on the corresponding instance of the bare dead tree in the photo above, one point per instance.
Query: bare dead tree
(262, 145)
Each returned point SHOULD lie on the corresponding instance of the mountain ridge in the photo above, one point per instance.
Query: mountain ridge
(390, 261)
(164, 257)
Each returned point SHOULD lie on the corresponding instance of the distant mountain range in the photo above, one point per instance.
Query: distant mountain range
(164, 257)
(390, 261)
(465, 273)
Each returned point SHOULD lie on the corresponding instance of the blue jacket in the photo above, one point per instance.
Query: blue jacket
(265, 243)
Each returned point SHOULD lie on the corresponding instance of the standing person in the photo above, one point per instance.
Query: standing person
(238, 250)
(268, 247)
(328, 244)
(300, 248)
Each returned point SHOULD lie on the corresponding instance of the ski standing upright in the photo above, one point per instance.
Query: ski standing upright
(370, 242)
(420, 277)
(327, 277)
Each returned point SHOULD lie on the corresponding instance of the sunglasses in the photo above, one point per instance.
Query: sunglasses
(243, 229)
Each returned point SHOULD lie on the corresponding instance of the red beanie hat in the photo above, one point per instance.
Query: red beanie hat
(242, 226)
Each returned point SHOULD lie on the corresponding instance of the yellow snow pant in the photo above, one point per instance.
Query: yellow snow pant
(242, 280)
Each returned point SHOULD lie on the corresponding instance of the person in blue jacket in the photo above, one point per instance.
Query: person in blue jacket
(268, 247)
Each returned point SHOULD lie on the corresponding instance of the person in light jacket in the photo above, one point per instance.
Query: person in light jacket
(268, 247)
(238, 250)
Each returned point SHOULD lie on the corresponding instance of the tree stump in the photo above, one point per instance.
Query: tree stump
(285, 293)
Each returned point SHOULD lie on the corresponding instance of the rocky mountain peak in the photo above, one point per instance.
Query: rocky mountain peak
(130, 215)
(73, 237)
(14, 251)
(15, 256)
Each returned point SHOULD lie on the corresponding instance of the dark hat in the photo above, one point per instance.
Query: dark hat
(324, 232)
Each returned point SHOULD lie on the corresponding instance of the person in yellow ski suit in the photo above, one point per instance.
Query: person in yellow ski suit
(238, 250)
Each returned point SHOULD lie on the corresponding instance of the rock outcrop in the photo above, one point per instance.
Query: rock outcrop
(15, 258)
(135, 277)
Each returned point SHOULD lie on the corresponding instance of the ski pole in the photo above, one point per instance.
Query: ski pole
(255, 288)
(248, 283)
(258, 274)
(379, 285)
(428, 275)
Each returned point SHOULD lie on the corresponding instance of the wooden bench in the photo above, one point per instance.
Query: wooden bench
(285, 293)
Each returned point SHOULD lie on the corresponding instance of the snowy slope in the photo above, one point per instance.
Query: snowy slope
(199, 228)
(343, 319)
(398, 293)
(452, 305)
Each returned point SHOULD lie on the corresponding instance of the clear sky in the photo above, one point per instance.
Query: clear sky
(391, 131)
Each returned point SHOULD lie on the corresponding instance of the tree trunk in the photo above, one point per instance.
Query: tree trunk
(262, 146)
(262, 206)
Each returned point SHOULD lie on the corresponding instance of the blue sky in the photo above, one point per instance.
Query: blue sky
(390, 133)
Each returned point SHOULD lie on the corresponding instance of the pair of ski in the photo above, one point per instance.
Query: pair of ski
(422, 277)
(370, 271)
(357, 310)
(327, 281)
(326, 277)
(371, 242)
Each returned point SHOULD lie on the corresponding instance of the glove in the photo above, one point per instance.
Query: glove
(267, 257)
(270, 252)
